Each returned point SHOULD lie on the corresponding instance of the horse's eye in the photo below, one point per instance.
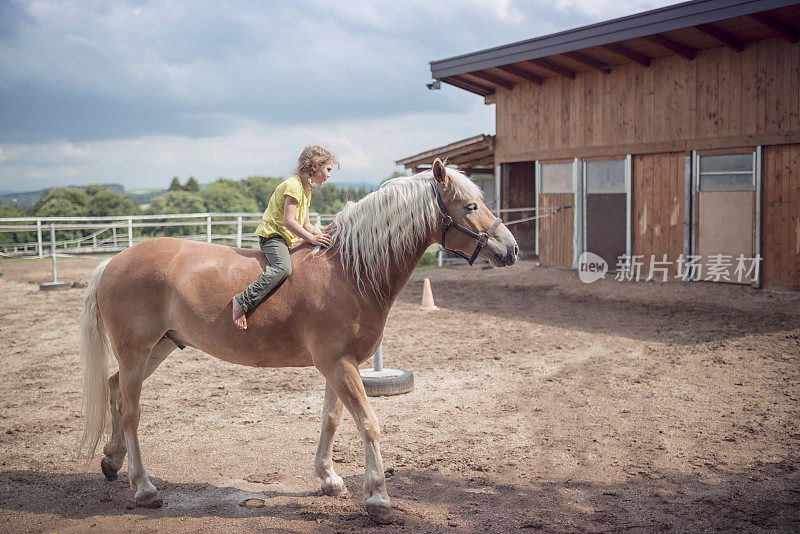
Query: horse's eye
(471, 207)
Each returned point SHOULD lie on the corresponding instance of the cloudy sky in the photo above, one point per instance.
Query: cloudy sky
(136, 92)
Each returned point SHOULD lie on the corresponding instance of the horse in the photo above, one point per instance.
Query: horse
(167, 293)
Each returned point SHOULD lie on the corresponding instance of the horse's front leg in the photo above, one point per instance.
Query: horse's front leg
(332, 484)
(346, 382)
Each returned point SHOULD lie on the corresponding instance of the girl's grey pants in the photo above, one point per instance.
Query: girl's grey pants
(277, 270)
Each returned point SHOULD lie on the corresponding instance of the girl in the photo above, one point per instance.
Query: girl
(284, 224)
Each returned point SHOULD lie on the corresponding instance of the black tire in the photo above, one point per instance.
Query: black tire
(395, 385)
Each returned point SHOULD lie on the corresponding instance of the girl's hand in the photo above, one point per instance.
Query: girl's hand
(320, 240)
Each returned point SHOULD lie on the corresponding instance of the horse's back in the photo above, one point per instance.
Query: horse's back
(172, 261)
(169, 284)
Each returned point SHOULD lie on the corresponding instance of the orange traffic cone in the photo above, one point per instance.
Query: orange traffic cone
(427, 297)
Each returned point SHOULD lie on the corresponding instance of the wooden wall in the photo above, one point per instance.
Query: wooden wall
(518, 190)
(780, 216)
(657, 207)
(721, 98)
(556, 232)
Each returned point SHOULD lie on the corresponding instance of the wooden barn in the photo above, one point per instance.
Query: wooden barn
(674, 134)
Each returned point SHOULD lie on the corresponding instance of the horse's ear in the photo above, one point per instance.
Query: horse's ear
(440, 173)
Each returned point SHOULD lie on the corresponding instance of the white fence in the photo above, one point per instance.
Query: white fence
(112, 234)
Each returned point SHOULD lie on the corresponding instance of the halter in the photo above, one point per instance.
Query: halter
(447, 222)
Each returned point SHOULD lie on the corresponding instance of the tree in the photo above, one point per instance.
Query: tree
(9, 211)
(191, 185)
(330, 198)
(259, 188)
(94, 201)
(102, 202)
(175, 185)
(177, 202)
(61, 202)
(223, 196)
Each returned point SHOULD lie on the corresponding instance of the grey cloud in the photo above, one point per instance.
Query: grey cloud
(13, 19)
(99, 73)
(96, 71)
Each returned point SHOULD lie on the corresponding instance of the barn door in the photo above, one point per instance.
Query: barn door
(518, 198)
(606, 208)
(726, 213)
(555, 230)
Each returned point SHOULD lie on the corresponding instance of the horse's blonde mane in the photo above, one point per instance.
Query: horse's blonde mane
(387, 225)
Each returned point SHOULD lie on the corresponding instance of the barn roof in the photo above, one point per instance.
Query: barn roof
(682, 29)
(471, 155)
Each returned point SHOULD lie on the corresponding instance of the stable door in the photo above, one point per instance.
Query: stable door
(606, 204)
(726, 215)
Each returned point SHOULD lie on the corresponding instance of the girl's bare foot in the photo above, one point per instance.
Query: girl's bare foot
(239, 318)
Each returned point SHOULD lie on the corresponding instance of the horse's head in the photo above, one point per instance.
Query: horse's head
(473, 229)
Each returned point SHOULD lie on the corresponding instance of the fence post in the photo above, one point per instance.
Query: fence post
(439, 255)
(239, 231)
(319, 219)
(39, 237)
(114, 233)
(53, 250)
(130, 233)
(208, 229)
(94, 240)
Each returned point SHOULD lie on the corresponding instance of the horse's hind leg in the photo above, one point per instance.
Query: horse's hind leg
(115, 450)
(332, 484)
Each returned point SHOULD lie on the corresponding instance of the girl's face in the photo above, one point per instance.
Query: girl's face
(321, 173)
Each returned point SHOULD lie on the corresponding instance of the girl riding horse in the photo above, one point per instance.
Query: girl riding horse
(164, 293)
(284, 224)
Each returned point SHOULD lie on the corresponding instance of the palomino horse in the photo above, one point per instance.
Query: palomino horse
(166, 293)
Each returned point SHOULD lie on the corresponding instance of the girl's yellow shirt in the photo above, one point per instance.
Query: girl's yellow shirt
(272, 220)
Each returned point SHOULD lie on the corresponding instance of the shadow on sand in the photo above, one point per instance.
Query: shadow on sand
(765, 497)
(648, 311)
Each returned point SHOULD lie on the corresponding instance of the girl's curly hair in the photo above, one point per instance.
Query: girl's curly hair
(313, 154)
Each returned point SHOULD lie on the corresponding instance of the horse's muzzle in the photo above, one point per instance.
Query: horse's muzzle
(504, 258)
(512, 251)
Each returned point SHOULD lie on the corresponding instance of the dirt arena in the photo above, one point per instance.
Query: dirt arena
(541, 404)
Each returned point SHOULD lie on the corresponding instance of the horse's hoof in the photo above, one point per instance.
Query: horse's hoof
(108, 471)
(334, 489)
(149, 500)
(380, 511)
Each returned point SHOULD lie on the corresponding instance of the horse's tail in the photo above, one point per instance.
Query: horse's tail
(94, 357)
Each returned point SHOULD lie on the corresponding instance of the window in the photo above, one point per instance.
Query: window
(605, 176)
(729, 172)
(556, 178)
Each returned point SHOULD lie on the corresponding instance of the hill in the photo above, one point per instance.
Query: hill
(27, 199)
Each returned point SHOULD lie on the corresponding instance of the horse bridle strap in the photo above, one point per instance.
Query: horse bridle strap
(448, 222)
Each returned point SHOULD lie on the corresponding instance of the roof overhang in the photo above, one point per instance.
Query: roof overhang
(682, 29)
(472, 155)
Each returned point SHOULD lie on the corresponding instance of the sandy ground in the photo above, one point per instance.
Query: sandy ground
(541, 404)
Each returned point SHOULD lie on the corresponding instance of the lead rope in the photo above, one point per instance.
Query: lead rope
(535, 217)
